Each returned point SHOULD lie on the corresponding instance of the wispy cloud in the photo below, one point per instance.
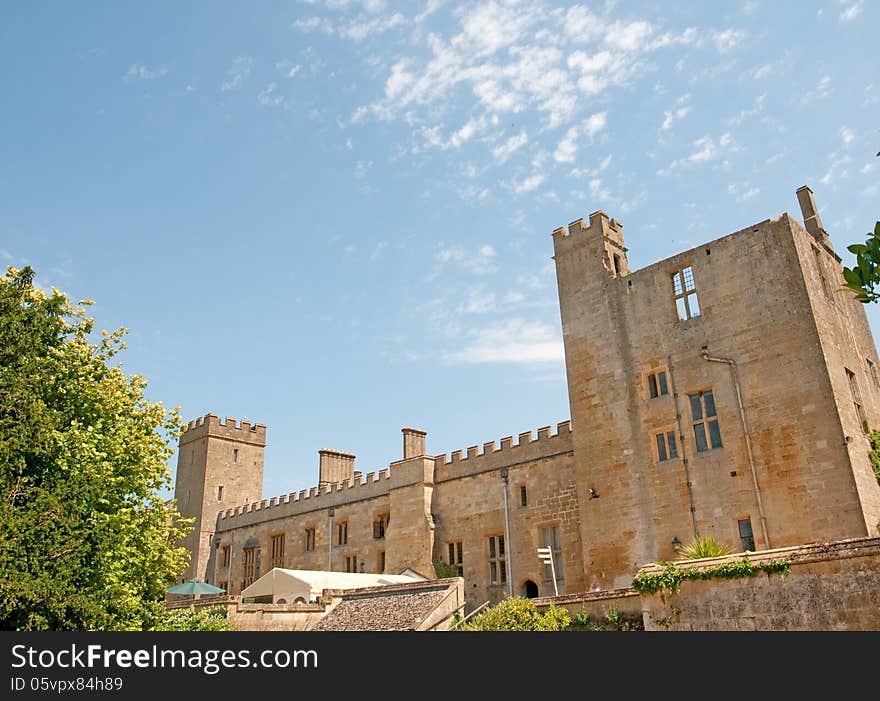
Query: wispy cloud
(481, 261)
(240, 70)
(851, 12)
(139, 71)
(847, 135)
(677, 113)
(511, 341)
(269, 96)
(504, 151)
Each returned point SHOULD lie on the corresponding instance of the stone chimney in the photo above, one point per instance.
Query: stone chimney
(812, 221)
(334, 467)
(413, 442)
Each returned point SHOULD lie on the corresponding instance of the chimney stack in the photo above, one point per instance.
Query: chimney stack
(413, 442)
(334, 467)
(812, 222)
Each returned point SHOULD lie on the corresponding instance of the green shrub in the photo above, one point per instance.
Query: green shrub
(520, 614)
(192, 618)
(702, 546)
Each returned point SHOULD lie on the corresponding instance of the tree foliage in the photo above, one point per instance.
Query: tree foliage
(86, 541)
(518, 613)
(874, 453)
(864, 277)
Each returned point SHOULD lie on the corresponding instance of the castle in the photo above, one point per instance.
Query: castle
(724, 391)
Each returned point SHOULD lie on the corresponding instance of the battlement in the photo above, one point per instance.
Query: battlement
(528, 447)
(229, 428)
(358, 488)
(579, 232)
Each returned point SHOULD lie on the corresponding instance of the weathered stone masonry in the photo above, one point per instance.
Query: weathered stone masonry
(721, 391)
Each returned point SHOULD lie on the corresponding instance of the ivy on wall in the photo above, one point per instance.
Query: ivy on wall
(672, 576)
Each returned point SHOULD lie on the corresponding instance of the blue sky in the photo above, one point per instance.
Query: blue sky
(334, 216)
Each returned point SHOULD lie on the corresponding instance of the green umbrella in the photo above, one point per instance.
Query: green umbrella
(195, 586)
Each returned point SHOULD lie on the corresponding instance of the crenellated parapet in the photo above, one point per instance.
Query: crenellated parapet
(230, 428)
(600, 228)
(504, 454)
(358, 488)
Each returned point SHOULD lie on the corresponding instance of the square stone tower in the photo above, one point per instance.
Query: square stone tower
(219, 466)
(723, 391)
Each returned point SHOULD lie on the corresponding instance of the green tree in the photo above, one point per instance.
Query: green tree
(864, 278)
(86, 541)
(518, 613)
(874, 453)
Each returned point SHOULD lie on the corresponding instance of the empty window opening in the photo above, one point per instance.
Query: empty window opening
(379, 526)
(657, 385)
(310, 539)
(523, 496)
(497, 560)
(224, 556)
(821, 268)
(351, 564)
(707, 435)
(685, 292)
(455, 556)
(220, 493)
(235, 455)
(746, 537)
(872, 371)
(857, 399)
(666, 446)
(616, 264)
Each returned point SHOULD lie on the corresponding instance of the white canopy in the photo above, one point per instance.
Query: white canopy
(291, 586)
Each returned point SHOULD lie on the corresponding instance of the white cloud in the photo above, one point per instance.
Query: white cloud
(847, 135)
(704, 150)
(508, 148)
(529, 184)
(361, 168)
(480, 262)
(512, 341)
(676, 113)
(867, 168)
(851, 12)
(567, 148)
(241, 69)
(821, 91)
(628, 37)
(269, 97)
(139, 71)
(743, 193)
(762, 71)
(727, 39)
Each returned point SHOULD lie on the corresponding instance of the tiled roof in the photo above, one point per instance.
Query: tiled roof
(394, 610)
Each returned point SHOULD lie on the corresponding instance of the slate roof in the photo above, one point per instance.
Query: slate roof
(391, 610)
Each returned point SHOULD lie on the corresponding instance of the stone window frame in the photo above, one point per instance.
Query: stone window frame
(455, 555)
(523, 495)
(684, 293)
(497, 559)
(555, 527)
(657, 381)
(351, 563)
(670, 450)
(311, 536)
(225, 555)
(856, 394)
(705, 421)
(746, 518)
(380, 524)
(342, 532)
(277, 558)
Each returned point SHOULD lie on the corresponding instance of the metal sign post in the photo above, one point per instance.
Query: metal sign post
(546, 555)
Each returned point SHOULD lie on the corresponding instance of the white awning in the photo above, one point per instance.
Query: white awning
(290, 586)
